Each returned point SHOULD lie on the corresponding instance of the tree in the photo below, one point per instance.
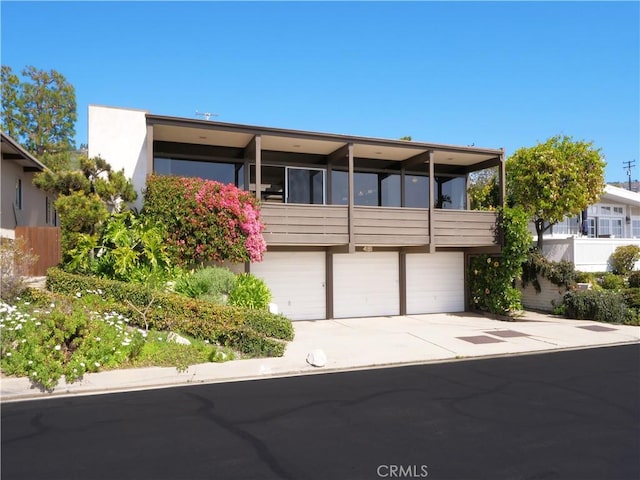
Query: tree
(86, 197)
(39, 112)
(484, 192)
(554, 179)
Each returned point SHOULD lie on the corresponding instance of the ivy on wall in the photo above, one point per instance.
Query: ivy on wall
(492, 277)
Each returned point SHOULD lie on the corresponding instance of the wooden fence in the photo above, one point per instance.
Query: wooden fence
(43, 242)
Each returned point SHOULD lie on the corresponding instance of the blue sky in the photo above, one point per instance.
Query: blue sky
(493, 74)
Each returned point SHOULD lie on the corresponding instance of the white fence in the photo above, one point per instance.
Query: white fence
(587, 254)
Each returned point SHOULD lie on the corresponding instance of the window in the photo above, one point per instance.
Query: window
(290, 184)
(451, 193)
(49, 212)
(568, 226)
(416, 191)
(610, 226)
(591, 227)
(18, 199)
(390, 190)
(605, 210)
(221, 172)
(305, 185)
(618, 210)
(635, 228)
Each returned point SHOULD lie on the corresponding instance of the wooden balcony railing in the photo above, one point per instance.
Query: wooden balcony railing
(328, 225)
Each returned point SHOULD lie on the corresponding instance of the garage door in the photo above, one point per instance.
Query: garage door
(297, 282)
(365, 284)
(435, 282)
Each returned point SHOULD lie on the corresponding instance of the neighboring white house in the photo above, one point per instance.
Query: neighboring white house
(589, 239)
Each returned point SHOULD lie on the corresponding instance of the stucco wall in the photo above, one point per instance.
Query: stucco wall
(120, 136)
(542, 301)
(33, 200)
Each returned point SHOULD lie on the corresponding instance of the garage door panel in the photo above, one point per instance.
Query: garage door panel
(366, 284)
(435, 282)
(296, 281)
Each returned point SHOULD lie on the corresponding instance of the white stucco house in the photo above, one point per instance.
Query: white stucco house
(589, 239)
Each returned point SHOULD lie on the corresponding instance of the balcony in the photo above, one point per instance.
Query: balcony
(328, 225)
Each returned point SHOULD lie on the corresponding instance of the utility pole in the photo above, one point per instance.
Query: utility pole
(628, 167)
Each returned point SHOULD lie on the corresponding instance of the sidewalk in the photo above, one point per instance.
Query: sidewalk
(359, 343)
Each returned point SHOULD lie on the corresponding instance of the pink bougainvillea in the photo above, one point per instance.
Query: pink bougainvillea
(206, 220)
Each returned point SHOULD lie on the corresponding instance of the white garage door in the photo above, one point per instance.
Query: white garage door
(435, 282)
(365, 284)
(297, 282)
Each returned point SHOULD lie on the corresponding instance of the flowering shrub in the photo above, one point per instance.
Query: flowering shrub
(491, 278)
(205, 220)
(62, 339)
(50, 335)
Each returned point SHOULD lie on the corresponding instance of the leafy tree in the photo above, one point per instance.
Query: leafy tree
(39, 112)
(554, 179)
(484, 192)
(86, 197)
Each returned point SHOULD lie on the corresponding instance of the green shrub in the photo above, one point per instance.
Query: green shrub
(585, 277)
(250, 291)
(632, 297)
(634, 279)
(239, 328)
(610, 281)
(212, 284)
(624, 258)
(604, 306)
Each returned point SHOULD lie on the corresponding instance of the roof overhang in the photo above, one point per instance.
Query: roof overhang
(620, 195)
(14, 152)
(205, 132)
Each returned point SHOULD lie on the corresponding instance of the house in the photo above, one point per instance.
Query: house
(589, 239)
(22, 203)
(355, 226)
(26, 211)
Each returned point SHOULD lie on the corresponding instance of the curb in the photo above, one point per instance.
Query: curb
(39, 395)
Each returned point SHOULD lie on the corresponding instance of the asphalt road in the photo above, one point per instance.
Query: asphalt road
(565, 415)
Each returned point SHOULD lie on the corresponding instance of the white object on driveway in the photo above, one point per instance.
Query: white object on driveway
(317, 358)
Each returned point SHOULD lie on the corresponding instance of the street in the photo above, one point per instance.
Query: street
(565, 415)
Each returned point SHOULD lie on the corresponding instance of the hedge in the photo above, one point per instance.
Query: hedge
(252, 332)
(603, 305)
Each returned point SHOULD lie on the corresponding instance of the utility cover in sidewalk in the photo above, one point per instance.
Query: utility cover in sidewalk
(507, 333)
(480, 339)
(598, 328)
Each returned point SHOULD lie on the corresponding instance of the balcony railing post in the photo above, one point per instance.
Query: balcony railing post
(432, 235)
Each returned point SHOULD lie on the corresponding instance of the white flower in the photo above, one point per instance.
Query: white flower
(78, 294)
(18, 327)
(52, 305)
(30, 362)
(35, 374)
(8, 354)
(98, 339)
(38, 324)
(57, 347)
(97, 364)
(82, 364)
